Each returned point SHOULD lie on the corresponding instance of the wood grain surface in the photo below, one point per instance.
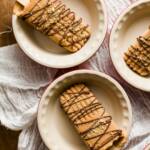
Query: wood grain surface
(6, 34)
(8, 139)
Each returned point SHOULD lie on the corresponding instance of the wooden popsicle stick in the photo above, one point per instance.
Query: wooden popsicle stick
(23, 2)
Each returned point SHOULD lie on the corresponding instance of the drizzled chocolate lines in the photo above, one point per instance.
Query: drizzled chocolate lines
(113, 134)
(142, 41)
(138, 56)
(76, 116)
(49, 19)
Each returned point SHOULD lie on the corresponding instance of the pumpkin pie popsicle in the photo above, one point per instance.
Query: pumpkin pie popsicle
(94, 125)
(57, 21)
(137, 57)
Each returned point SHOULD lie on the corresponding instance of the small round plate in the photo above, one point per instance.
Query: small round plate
(44, 51)
(56, 130)
(130, 25)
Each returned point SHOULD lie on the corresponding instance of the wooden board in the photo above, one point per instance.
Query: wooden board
(5, 22)
(8, 139)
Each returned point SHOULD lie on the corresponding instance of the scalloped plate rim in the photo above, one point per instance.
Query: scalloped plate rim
(61, 78)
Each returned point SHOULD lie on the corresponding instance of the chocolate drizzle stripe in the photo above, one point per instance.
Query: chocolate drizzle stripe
(115, 133)
(138, 57)
(143, 43)
(75, 96)
(102, 121)
(50, 19)
(82, 113)
(31, 12)
(77, 101)
(97, 123)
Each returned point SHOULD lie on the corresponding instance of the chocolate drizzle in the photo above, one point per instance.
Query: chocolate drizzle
(138, 57)
(54, 19)
(86, 105)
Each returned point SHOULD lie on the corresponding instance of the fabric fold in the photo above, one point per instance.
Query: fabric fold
(22, 83)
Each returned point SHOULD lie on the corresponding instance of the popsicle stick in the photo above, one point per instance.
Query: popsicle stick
(23, 2)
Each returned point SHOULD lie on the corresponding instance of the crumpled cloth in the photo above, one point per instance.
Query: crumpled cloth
(22, 82)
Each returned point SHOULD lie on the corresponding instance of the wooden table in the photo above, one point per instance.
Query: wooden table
(8, 139)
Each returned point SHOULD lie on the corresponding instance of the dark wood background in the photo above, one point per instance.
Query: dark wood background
(8, 139)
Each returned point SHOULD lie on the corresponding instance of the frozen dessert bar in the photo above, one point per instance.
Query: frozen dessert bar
(138, 55)
(95, 126)
(54, 19)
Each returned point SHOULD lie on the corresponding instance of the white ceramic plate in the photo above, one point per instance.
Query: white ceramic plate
(132, 23)
(56, 130)
(42, 50)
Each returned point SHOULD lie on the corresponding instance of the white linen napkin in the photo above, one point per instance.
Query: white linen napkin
(23, 81)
